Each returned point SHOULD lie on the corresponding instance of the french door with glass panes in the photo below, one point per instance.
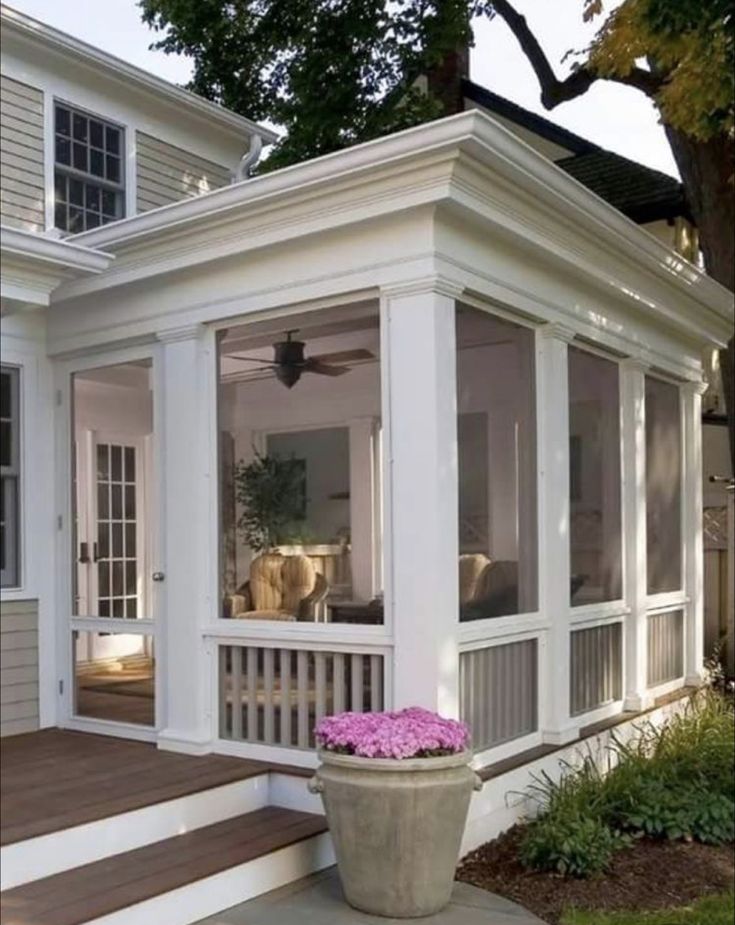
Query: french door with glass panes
(113, 650)
(112, 516)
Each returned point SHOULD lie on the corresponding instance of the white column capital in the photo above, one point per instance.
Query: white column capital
(694, 387)
(433, 283)
(635, 365)
(557, 331)
(185, 332)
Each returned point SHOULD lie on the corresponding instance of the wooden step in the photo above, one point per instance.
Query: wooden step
(121, 883)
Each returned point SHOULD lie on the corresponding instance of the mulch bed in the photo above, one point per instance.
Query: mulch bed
(648, 875)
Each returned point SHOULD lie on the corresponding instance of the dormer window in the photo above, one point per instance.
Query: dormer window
(88, 170)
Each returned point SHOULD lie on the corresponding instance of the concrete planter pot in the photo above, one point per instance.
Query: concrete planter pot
(397, 827)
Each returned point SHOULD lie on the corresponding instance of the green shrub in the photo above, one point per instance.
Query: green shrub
(659, 810)
(674, 781)
(575, 846)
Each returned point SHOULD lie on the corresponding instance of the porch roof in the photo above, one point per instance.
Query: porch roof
(33, 265)
(467, 163)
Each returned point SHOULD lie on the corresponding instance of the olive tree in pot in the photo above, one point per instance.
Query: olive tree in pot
(271, 492)
(396, 789)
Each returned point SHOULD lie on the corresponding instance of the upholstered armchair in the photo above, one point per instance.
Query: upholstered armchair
(487, 588)
(279, 588)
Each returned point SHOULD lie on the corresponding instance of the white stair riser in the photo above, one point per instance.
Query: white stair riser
(56, 852)
(189, 904)
(291, 792)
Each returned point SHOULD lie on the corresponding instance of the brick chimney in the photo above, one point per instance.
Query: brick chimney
(445, 80)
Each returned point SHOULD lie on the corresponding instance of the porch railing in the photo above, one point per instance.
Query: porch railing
(596, 667)
(665, 647)
(499, 692)
(275, 695)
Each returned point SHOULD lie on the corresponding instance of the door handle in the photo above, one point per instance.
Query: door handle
(83, 552)
(158, 576)
(95, 553)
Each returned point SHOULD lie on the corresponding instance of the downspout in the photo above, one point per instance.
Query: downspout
(249, 160)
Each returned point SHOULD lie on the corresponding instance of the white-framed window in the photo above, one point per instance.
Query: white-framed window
(89, 170)
(9, 476)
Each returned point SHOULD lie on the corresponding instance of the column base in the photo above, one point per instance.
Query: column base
(561, 736)
(637, 703)
(169, 740)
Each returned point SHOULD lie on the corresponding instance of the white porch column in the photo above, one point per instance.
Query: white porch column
(691, 400)
(633, 401)
(557, 726)
(184, 481)
(420, 472)
(362, 508)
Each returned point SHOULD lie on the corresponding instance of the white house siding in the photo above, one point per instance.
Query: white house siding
(168, 174)
(21, 156)
(19, 663)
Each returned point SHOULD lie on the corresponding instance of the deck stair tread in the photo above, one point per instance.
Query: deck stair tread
(56, 779)
(106, 886)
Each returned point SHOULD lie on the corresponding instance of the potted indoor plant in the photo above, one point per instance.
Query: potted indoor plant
(396, 788)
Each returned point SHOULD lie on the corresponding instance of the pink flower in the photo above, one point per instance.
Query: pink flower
(409, 733)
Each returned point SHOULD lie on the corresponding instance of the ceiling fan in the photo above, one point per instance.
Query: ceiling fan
(289, 361)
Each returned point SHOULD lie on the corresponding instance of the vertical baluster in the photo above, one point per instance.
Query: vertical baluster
(376, 682)
(268, 679)
(286, 697)
(339, 682)
(225, 730)
(236, 692)
(252, 682)
(302, 698)
(356, 694)
(320, 682)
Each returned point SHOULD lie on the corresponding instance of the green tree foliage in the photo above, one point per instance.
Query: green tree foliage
(331, 73)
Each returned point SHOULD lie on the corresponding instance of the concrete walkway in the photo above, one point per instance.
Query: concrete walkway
(317, 900)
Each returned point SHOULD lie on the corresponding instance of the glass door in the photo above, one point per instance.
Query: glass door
(113, 649)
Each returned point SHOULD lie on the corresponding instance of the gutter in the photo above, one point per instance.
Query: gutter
(64, 254)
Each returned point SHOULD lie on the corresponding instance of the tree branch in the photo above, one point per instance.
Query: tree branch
(553, 90)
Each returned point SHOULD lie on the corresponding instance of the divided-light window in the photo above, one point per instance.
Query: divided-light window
(89, 187)
(9, 476)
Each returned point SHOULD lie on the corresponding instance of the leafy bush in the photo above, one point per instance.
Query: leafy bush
(673, 781)
(576, 846)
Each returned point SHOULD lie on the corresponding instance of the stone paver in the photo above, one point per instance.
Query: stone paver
(317, 900)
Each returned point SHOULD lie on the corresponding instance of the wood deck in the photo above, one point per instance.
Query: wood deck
(54, 779)
(87, 893)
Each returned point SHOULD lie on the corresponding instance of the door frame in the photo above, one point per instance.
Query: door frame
(66, 622)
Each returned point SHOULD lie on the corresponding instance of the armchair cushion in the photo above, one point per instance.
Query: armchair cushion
(266, 585)
(471, 567)
(298, 577)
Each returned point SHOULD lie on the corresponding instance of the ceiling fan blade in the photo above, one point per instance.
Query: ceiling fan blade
(313, 365)
(250, 360)
(345, 356)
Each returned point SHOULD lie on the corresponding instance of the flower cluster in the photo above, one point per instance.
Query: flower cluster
(410, 733)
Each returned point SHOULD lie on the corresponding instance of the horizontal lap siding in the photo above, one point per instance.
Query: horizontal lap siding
(665, 647)
(168, 174)
(499, 692)
(18, 667)
(21, 156)
(596, 667)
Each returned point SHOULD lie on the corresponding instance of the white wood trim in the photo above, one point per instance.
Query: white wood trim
(552, 414)
(633, 436)
(423, 546)
(505, 750)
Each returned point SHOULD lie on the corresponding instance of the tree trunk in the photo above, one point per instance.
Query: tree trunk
(706, 169)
